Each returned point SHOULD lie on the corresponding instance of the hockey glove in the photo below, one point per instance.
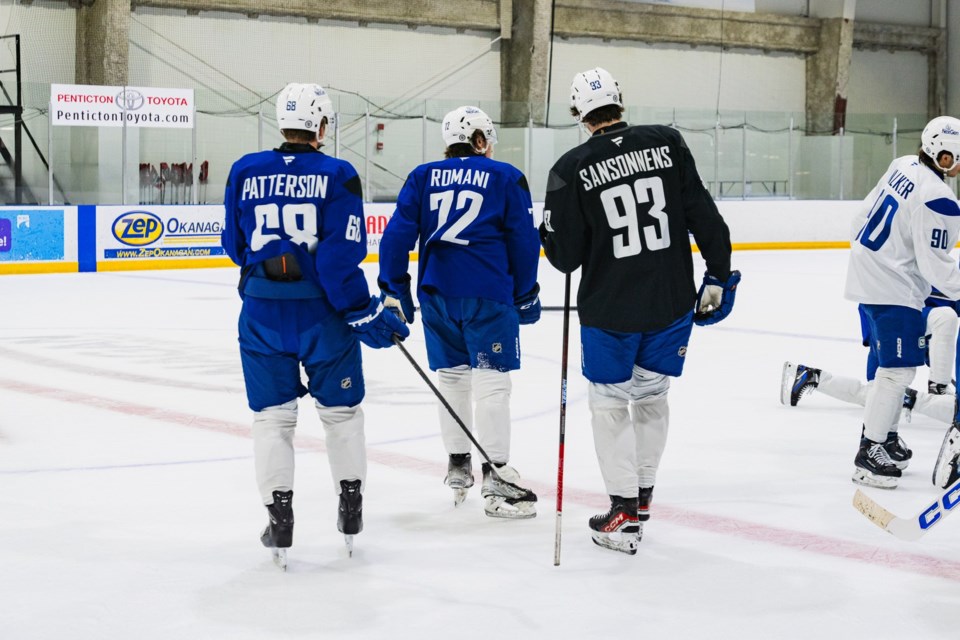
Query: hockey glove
(399, 302)
(715, 299)
(374, 327)
(528, 305)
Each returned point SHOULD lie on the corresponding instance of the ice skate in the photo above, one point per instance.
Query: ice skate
(797, 380)
(909, 402)
(940, 389)
(350, 512)
(618, 529)
(945, 470)
(874, 467)
(644, 498)
(897, 450)
(459, 476)
(503, 497)
(278, 536)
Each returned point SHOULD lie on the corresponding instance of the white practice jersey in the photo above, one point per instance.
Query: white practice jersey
(902, 238)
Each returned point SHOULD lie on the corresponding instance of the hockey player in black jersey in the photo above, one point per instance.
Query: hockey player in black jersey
(621, 207)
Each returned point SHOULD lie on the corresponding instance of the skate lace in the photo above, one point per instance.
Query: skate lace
(879, 455)
(806, 382)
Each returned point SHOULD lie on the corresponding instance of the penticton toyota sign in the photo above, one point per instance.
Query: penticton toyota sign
(100, 106)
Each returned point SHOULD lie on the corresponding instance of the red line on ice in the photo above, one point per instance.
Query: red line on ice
(797, 540)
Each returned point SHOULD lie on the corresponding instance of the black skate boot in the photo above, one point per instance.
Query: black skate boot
(897, 450)
(873, 466)
(459, 476)
(797, 380)
(937, 389)
(945, 471)
(503, 497)
(644, 498)
(350, 512)
(619, 528)
(278, 536)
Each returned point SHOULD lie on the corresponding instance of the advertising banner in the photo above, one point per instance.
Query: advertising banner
(147, 233)
(80, 105)
(31, 235)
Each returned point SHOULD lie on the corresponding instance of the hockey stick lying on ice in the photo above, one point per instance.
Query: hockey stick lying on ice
(913, 528)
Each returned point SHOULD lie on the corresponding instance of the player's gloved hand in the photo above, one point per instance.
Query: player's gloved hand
(715, 299)
(399, 300)
(528, 305)
(375, 326)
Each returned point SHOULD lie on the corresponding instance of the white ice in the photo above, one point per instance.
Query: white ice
(128, 507)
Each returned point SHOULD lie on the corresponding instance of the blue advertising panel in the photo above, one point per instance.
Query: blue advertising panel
(30, 235)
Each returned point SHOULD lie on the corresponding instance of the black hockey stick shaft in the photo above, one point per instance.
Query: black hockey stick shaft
(563, 416)
(443, 401)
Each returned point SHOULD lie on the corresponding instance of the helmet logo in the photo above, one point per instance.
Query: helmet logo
(308, 123)
(950, 131)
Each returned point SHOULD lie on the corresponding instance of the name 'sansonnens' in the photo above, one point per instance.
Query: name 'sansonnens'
(625, 164)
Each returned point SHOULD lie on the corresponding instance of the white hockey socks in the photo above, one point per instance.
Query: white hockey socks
(651, 420)
(346, 443)
(492, 390)
(884, 400)
(273, 455)
(455, 385)
(613, 437)
(942, 328)
(843, 388)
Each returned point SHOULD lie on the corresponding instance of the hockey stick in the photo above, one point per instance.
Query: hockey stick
(563, 416)
(443, 401)
(913, 528)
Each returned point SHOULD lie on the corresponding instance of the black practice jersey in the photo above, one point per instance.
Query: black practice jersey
(622, 206)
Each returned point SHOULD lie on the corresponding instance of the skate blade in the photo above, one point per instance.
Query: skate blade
(868, 479)
(626, 542)
(279, 558)
(348, 539)
(499, 507)
(787, 379)
(459, 495)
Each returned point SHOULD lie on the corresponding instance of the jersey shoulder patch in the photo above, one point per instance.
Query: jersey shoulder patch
(944, 206)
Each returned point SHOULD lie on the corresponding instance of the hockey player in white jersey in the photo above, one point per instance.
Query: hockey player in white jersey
(900, 247)
(941, 317)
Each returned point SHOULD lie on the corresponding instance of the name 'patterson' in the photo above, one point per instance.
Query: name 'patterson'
(625, 164)
(284, 185)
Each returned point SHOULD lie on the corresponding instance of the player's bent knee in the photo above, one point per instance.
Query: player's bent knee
(333, 416)
(281, 416)
(647, 385)
(490, 382)
(455, 378)
(900, 376)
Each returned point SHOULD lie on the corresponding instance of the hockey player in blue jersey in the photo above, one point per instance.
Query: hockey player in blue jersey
(478, 258)
(295, 226)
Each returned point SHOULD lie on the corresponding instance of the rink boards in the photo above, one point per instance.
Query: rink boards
(90, 238)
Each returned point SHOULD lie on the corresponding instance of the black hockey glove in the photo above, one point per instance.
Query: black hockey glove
(528, 305)
(715, 299)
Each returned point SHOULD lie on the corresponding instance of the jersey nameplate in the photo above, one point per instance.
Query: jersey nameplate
(625, 164)
(283, 185)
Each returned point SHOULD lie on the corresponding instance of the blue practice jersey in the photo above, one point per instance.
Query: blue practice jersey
(297, 200)
(474, 220)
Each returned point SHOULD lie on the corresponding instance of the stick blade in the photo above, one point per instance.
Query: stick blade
(898, 527)
(872, 510)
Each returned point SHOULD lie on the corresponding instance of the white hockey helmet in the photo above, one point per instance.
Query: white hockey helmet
(941, 134)
(459, 125)
(593, 89)
(303, 106)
